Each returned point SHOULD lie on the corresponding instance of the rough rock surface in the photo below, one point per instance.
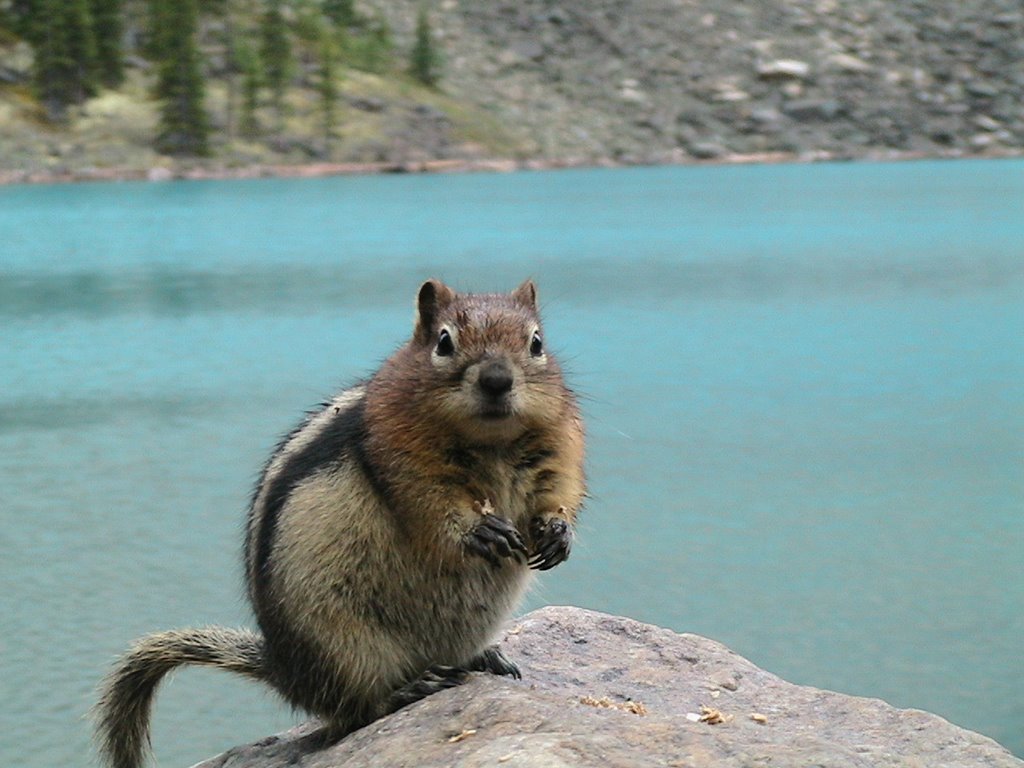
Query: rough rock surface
(606, 691)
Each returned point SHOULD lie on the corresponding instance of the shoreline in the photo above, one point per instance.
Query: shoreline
(210, 172)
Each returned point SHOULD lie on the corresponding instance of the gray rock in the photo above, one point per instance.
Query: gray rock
(783, 69)
(16, 63)
(1008, 19)
(813, 109)
(10, 76)
(530, 49)
(848, 63)
(367, 104)
(610, 692)
(707, 150)
(766, 118)
(982, 89)
(427, 112)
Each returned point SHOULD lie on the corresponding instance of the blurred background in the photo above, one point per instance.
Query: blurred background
(802, 381)
(159, 88)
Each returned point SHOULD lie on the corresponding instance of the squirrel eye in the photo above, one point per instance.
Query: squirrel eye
(445, 345)
(536, 345)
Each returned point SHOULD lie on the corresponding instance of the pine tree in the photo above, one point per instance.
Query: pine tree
(424, 62)
(232, 66)
(328, 86)
(65, 54)
(158, 22)
(108, 27)
(341, 12)
(184, 125)
(21, 17)
(276, 54)
(249, 66)
(369, 48)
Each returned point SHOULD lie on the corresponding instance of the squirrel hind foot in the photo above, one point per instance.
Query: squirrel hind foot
(436, 678)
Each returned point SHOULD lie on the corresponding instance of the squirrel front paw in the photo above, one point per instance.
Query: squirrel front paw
(552, 539)
(493, 537)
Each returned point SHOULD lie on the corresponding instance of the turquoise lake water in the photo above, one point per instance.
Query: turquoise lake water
(804, 388)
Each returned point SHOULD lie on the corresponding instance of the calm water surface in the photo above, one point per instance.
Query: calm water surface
(804, 388)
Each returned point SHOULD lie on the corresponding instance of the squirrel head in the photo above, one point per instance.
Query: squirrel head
(483, 366)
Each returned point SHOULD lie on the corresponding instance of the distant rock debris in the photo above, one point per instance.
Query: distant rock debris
(610, 692)
(813, 109)
(783, 69)
(848, 63)
(707, 150)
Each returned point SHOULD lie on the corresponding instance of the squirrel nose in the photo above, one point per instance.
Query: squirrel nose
(495, 379)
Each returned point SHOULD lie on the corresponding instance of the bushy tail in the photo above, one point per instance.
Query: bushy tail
(126, 695)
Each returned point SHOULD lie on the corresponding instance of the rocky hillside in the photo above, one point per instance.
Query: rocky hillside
(589, 81)
(650, 80)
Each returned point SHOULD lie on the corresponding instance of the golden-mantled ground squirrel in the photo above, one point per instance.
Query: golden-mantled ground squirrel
(394, 531)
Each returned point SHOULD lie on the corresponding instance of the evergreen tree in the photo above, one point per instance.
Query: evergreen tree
(108, 28)
(158, 22)
(328, 85)
(232, 65)
(21, 17)
(184, 126)
(424, 62)
(65, 54)
(370, 48)
(341, 12)
(276, 54)
(249, 66)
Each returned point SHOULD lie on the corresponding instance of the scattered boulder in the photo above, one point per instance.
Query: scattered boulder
(10, 76)
(847, 63)
(367, 104)
(766, 119)
(16, 62)
(707, 150)
(982, 89)
(530, 50)
(783, 69)
(812, 109)
(610, 692)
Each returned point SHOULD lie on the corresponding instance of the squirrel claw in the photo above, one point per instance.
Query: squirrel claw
(494, 537)
(492, 660)
(553, 538)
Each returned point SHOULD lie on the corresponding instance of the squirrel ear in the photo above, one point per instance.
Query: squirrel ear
(432, 298)
(526, 294)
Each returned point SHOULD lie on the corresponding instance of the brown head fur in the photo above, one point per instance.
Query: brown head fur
(433, 384)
